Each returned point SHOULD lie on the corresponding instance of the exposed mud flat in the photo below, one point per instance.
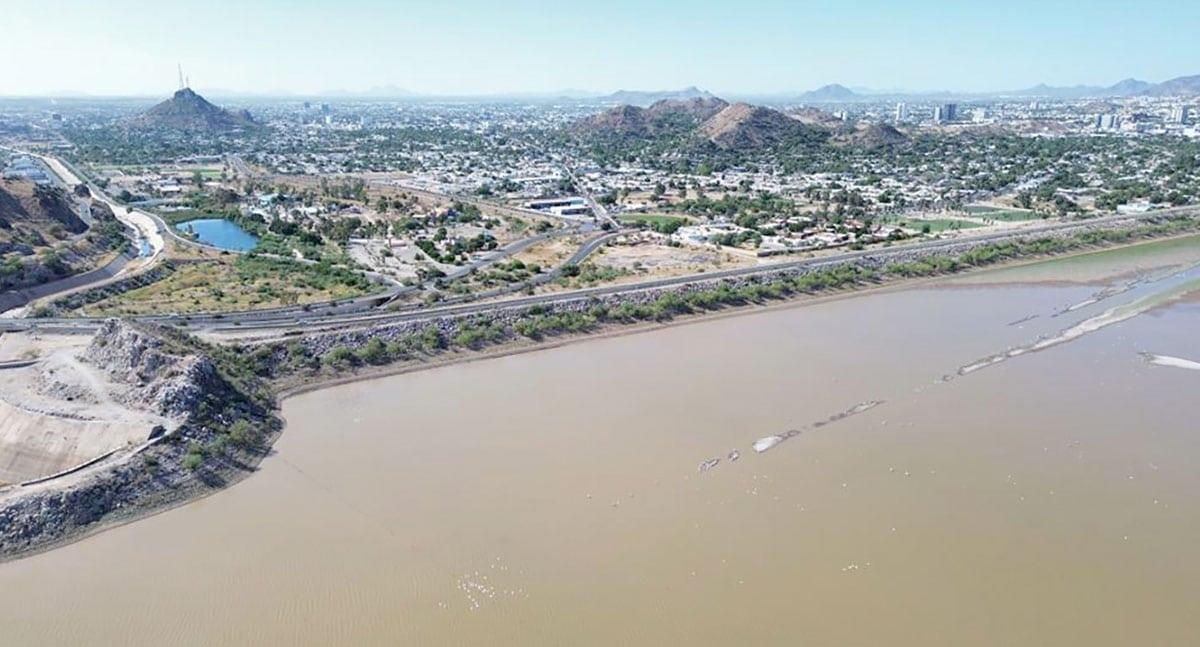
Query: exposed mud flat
(768, 442)
(1156, 293)
(1173, 362)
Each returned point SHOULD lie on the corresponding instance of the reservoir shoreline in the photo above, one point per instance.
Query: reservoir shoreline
(287, 388)
(189, 487)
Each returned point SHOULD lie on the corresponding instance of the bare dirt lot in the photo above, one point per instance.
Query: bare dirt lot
(56, 411)
(662, 260)
(550, 253)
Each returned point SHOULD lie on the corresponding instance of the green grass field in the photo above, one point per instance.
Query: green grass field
(239, 283)
(651, 218)
(1003, 215)
(939, 225)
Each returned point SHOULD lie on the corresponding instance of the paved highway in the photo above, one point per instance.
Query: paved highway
(599, 212)
(152, 229)
(240, 166)
(145, 228)
(339, 317)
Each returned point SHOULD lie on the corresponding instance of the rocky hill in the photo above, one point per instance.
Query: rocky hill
(699, 123)
(188, 111)
(714, 124)
(665, 117)
(817, 117)
(743, 126)
(33, 215)
(872, 135)
(621, 121)
(43, 238)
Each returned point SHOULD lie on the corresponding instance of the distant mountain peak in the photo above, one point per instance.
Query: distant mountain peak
(1178, 86)
(645, 98)
(831, 92)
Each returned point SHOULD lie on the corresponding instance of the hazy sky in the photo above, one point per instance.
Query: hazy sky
(477, 47)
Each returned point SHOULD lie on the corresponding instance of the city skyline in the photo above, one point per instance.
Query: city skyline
(473, 48)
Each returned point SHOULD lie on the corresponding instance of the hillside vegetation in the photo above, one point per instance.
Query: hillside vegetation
(42, 238)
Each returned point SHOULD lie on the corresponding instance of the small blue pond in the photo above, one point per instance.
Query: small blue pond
(219, 233)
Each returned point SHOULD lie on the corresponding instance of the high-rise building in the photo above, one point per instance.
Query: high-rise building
(1180, 114)
(901, 112)
(949, 112)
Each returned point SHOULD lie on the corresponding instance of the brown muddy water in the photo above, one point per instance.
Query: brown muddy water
(1003, 459)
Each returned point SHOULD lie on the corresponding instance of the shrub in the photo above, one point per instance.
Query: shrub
(192, 462)
(373, 352)
(339, 356)
(241, 433)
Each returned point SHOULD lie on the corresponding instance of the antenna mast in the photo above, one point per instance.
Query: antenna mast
(182, 80)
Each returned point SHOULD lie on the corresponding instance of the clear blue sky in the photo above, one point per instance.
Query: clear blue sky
(475, 47)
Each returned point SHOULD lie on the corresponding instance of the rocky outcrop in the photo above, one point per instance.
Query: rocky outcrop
(166, 383)
(41, 227)
(224, 424)
(31, 209)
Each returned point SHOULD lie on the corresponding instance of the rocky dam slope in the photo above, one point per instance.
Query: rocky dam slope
(213, 423)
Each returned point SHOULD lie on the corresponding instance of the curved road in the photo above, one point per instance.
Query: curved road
(335, 316)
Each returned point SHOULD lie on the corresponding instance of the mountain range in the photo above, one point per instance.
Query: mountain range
(1179, 86)
(645, 98)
